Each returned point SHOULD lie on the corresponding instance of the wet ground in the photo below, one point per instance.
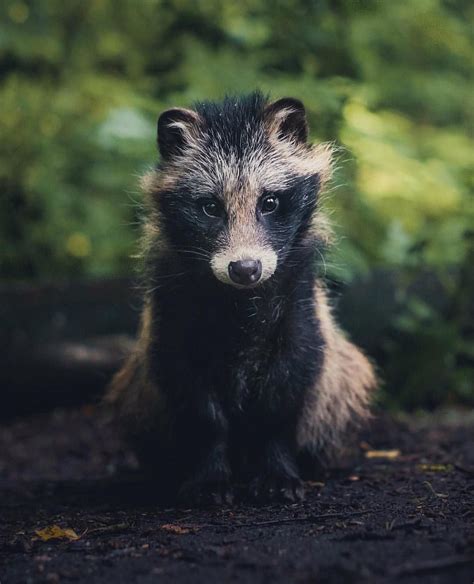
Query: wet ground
(405, 513)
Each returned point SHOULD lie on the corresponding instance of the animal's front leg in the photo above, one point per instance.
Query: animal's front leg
(273, 449)
(207, 452)
(276, 471)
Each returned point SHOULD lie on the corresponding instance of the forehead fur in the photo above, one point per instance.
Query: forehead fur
(235, 145)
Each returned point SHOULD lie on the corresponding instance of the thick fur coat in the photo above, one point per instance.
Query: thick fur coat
(240, 371)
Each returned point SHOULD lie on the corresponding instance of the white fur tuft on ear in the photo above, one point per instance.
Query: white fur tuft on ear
(286, 117)
(176, 129)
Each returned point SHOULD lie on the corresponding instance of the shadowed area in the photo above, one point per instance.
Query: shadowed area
(402, 514)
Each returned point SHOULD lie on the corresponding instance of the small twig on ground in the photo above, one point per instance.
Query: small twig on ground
(411, 523)
(106, 529)
(305, 519)
(465, 469)
(433, 492)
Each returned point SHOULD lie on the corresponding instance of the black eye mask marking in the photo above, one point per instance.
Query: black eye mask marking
(290, 211)
(211, 207)
(302, 192)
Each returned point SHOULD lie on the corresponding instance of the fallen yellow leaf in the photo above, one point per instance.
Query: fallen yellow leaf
(56, 532)
(177, 529)
(314, 484)
(436, 467)
(390, 454)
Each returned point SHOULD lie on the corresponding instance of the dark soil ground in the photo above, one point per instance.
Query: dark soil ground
(405, 517)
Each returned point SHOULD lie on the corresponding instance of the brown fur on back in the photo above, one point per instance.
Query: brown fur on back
(133, 397)
(340, 399)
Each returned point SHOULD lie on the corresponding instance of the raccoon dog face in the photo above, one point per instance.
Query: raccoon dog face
(237, 187)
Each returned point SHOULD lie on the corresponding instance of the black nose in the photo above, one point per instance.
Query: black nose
(245, 272)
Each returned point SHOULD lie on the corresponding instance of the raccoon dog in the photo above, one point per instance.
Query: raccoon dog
(240, 372)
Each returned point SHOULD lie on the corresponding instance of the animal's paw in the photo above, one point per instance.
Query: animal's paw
(204, 493)
(270, 488)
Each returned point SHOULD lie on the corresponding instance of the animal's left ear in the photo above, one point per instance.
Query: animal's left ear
(287, 118)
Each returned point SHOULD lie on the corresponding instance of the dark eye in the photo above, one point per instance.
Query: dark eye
(211, 208)
(269, 204)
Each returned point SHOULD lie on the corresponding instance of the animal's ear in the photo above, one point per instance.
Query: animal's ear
(176, 128)
(287, 118)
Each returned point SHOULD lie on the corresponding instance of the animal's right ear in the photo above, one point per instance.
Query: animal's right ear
(176, 128)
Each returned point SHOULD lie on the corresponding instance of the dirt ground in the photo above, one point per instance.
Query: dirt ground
(403, 515)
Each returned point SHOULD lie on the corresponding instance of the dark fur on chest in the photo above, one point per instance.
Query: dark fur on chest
(235, 362)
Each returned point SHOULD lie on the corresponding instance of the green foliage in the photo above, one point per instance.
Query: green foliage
(390, 82)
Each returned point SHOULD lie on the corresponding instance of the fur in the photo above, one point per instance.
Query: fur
(231, 380)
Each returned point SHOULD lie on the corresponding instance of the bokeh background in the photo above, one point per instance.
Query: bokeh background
(391, 83)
